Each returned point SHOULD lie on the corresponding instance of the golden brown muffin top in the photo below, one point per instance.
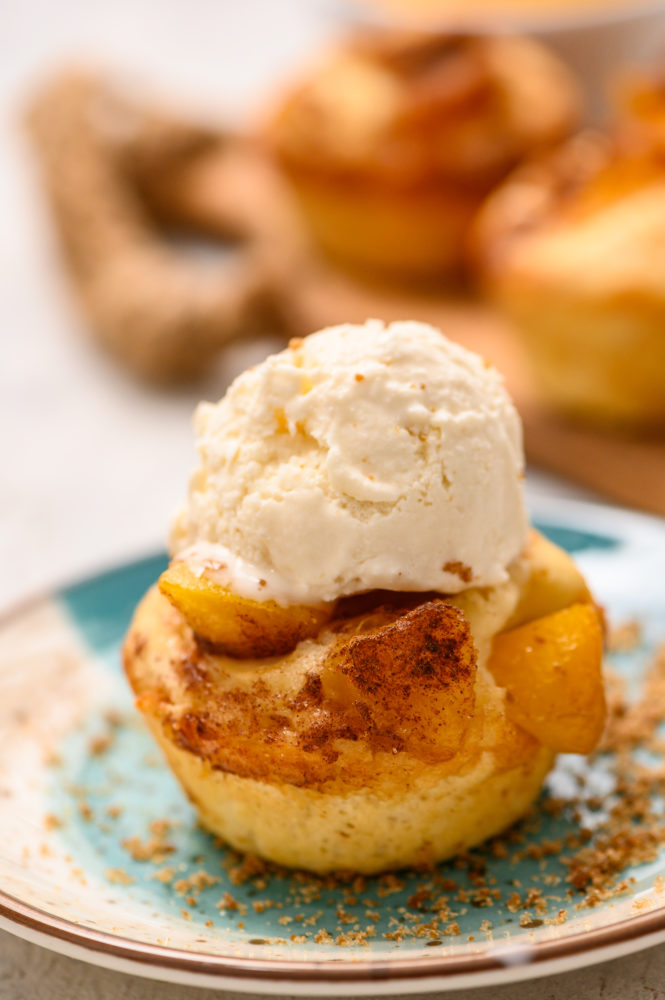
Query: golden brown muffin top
(407, 107)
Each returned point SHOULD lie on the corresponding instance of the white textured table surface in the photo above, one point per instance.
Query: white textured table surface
(92, 463)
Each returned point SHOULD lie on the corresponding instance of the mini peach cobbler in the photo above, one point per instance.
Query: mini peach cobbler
(360, 657)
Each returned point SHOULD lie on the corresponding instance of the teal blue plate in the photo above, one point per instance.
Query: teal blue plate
(101, 856)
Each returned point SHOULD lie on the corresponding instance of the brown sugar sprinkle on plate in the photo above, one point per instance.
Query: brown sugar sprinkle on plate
(624, 637)
(118, 876)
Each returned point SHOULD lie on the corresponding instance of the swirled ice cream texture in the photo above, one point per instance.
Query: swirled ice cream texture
(361, 457)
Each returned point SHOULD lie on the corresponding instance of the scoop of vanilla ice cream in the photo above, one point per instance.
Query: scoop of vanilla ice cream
(362, 457)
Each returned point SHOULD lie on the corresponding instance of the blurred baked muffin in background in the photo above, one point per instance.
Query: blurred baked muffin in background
(639, 97)
(572, 248)
(394, 139)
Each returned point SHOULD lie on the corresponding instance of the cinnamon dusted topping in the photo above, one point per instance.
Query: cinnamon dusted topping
(424, 660)
(397, 679)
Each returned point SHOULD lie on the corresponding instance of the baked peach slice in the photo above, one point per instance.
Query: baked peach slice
(551, 670)
(553, 583)
(239, 626)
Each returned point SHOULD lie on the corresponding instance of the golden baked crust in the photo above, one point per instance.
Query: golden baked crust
(409, 109)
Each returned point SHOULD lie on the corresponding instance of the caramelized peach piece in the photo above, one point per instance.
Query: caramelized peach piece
(551, 670)
(239, 626)
(554, 583)
(411, 681)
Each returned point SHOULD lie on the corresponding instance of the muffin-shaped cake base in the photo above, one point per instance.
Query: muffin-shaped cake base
(386, 740)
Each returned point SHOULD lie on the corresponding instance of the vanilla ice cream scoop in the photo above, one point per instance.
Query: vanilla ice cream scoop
(362, 457)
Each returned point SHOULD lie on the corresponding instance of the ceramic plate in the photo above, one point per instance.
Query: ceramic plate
(101, 857)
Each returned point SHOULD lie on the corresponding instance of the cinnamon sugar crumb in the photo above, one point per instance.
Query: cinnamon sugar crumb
(261, 905)
(160, 827)
(197, 882)
(85, 811)
(418, 899)
(118, 876)
(249, 867)
(99, 745)
(231, 904)
(155, 848)
(625, 637)
(459, 569)
(164, 875)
